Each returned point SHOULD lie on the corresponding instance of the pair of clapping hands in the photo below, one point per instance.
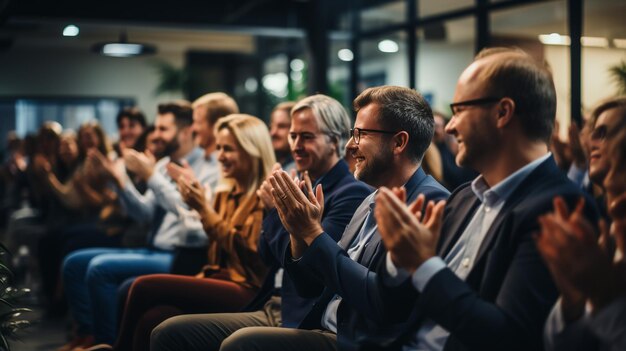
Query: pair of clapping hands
(585, 267)
(140, 163)
(143, 163)
(410, 233)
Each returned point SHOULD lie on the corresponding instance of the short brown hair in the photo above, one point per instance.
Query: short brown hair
(516, 75)
(402, 109)
(183, 114)
(218, 105)
(285, 106)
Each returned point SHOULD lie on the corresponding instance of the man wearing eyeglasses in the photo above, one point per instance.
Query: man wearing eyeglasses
(393, 128)
(317, 138)
(483, 285)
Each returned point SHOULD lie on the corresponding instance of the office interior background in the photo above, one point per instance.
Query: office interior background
(52, 65)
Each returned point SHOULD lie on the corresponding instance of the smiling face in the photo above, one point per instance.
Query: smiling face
(88, 138)
(598, 157)
(129, 131)
(311, 149)
(474, 127)
(166, 134)
(202, 129)
(236, 163)
(374, 153)
(279, 131)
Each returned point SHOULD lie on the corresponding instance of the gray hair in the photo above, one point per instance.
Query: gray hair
(333, 119)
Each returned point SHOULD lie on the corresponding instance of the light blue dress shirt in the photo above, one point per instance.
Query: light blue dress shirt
(162, 191)
(462, 256)
(329, 318)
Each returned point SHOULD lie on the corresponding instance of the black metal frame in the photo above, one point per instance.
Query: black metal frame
(480, 11)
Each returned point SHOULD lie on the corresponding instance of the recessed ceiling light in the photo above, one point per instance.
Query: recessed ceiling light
(554, 39)
(345, 55)
(388, 46)
(70, 31)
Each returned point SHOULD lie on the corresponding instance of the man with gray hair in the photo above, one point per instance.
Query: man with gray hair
(317, 139)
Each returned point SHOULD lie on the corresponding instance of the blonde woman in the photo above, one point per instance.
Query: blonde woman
(232, 222)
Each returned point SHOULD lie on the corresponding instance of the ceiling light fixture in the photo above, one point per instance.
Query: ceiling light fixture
(619, 43)
(558, 39)
(345, 55)
(70, 31)
(598, 42)
(123, 48)
(388, 46)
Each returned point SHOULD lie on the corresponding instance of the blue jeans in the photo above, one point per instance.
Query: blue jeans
(91, 278)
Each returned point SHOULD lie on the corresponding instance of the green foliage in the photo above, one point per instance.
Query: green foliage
(10, 323)
(618, 73)
(171, 79)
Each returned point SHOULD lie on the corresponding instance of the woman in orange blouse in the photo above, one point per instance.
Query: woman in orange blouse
(233, 224)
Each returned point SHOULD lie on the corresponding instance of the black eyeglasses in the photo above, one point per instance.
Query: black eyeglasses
(599, 133)
(475, 102)
(355, 133)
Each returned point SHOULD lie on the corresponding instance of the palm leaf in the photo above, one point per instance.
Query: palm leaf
(618, 74)
(171, 79)
(4, 344)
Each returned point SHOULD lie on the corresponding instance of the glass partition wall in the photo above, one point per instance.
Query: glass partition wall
(425, 44)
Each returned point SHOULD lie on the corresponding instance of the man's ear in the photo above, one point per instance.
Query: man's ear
(506, 110)
(400, 142)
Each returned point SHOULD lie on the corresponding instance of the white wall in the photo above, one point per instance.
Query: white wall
(439, 66)
(596, 81)
(73, 73)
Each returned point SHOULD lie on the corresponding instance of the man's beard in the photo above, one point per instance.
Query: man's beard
(373, 168)
(170, 148)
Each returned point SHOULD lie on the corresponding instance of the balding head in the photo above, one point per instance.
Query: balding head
(516, 75)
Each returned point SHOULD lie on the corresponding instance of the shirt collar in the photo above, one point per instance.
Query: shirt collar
(194, 155)
(502, 190)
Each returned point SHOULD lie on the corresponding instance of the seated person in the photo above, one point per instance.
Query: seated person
(590, 312)
(232, 223)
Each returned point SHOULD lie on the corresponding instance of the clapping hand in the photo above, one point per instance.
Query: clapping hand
(176, 171)
(299, 207)
(142, 164)
(409, 234)
(265, 190)
(581, 267)
(195, 195)
(113, 169)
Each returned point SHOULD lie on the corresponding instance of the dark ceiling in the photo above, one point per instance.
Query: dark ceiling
(249, 13)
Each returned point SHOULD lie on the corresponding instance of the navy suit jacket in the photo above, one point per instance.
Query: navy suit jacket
(342, 195)
(506, 298)
(326, 269)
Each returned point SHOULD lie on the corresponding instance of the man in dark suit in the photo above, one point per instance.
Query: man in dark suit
(317, 137)
(482, 285)
(392, 130)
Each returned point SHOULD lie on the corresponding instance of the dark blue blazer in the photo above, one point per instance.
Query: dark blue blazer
(326, 269)
(506, 298)
(342, 195)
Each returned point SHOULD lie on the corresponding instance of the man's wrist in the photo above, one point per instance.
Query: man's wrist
(311, 234)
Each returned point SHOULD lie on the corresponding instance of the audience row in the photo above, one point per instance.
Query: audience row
(320, 234)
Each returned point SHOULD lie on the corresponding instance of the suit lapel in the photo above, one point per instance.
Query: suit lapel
(355, 223)
(461, 216)
(519, 195)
